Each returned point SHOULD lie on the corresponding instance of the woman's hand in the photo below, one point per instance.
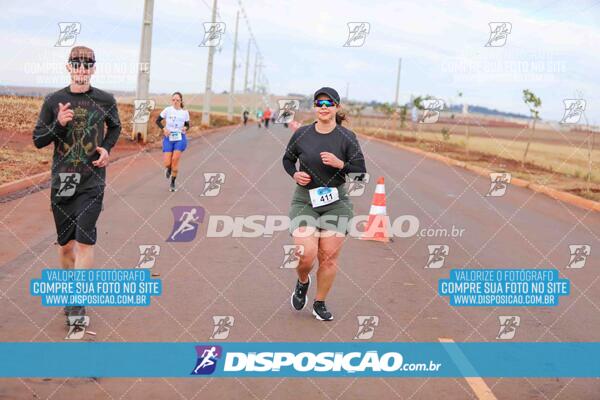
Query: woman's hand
(166, 131)
(302, 178)
(331, 160)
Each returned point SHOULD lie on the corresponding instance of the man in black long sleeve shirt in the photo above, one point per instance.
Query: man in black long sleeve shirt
(77, 144)
(73, 119)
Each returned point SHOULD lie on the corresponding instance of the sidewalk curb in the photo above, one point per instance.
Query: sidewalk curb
(33, 180)
(554, 193)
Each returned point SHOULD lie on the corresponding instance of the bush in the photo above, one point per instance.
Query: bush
(446, 134)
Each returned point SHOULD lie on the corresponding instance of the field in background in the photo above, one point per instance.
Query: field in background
(485, 126)
(19, 157)
(557, 160)
(219, 102)
(560, 166)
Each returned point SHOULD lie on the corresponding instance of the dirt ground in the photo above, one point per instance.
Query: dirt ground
(19, 157)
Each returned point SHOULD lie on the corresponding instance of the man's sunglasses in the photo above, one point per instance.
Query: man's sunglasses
(87, 64)
(326, 103)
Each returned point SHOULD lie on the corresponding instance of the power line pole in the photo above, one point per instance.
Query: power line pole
(233, 66)
(209, 70)
(247, 64)
(254, 82)
(255, 69)
(143, 80)
(398, 81)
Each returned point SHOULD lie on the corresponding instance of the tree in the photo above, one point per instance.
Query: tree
(534, 103)
(388, 110)
(466, 122)
(417, 102)
(356, 110)
(403, 113)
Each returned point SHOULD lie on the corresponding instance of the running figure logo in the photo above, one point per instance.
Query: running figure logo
(148, 254)
(212, 34)
(357, 33)
(291, 255)
(222, 325)
(142, 109)
(366, 326)
(508, 327)
(574, 109)
(185, 224)
(67, 35)
(579, 255)
(212, 183)
(431, 111)
(437, 255)
(499, 32)
(68, 183)
(207, 359)
(356, 183)
(287, 110)
(500, 181)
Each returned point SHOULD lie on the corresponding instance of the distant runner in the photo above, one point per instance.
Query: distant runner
(259, 117)
(267, 116)
(174, 132)
(74, 120)
(245, 116)
(326, 152)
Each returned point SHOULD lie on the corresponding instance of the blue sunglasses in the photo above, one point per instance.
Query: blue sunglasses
(326, 103)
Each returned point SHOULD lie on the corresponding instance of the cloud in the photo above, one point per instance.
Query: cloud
(442, 47)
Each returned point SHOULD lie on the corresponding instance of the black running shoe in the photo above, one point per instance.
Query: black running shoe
(320, 311)
(172, 186)
(168, 173)
(298, 299)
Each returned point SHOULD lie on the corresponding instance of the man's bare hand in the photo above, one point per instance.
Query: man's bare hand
(65, 114)
(102, 161)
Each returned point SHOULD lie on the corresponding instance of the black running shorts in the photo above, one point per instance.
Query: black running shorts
(75, 216)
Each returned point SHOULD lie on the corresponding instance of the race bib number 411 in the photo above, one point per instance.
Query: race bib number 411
(322, 196)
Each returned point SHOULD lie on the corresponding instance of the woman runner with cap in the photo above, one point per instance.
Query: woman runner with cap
(321, 208)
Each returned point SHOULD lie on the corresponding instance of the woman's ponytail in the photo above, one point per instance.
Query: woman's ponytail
(340, 116)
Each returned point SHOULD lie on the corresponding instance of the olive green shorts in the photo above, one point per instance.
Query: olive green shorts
(334, 216)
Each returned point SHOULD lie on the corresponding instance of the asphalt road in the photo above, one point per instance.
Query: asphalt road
(242, 278)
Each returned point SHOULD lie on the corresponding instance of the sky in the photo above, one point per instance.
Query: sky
(549, 49)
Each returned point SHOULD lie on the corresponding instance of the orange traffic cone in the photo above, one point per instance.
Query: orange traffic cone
(377, 225)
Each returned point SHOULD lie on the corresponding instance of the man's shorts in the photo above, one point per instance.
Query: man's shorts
(179, 145)
(75, 216)
(331, 217)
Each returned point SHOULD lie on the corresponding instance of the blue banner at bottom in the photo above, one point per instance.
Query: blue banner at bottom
(300, 359)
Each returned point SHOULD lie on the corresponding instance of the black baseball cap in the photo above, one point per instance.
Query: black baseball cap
(331, 92)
